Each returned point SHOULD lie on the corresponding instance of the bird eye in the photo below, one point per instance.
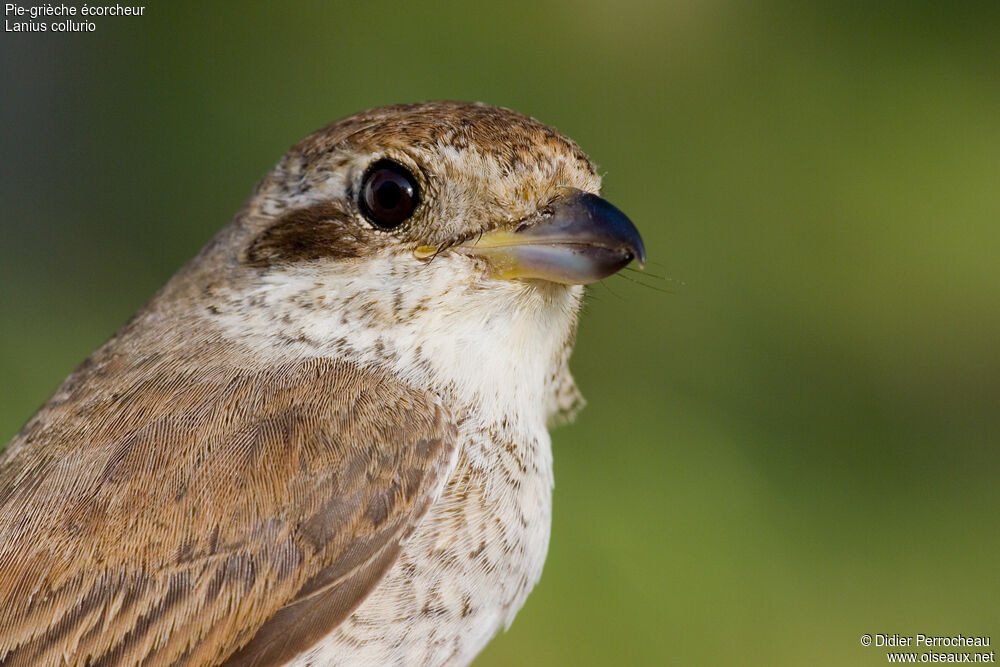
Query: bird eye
(389, 194)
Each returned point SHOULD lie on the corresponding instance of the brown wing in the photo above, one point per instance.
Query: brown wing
(196, 512)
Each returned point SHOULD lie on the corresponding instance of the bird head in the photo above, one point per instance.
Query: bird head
(511, 195)
(443, 235)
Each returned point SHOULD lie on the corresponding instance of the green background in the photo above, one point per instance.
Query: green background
(791, 437)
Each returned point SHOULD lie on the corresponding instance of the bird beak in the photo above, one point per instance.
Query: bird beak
(577, 239)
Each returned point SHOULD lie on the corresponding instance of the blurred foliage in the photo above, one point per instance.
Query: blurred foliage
(791, 438)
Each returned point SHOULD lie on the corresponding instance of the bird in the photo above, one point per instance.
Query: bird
(324, 441)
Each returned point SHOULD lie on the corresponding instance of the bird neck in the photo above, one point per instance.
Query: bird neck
(497, 348)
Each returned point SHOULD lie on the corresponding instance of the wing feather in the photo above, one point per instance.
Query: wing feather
(189, 514)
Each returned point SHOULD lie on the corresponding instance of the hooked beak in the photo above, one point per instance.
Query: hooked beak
(577, 239)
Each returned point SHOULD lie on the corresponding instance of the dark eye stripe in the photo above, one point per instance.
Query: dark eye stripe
(323, 230)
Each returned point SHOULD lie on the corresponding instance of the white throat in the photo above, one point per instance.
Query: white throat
(498, 347)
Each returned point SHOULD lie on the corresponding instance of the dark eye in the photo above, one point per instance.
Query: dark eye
(389, 194)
